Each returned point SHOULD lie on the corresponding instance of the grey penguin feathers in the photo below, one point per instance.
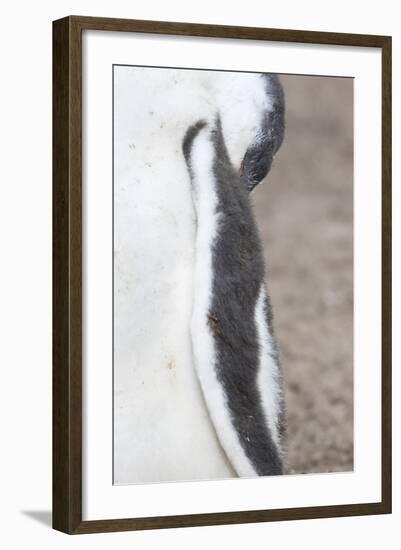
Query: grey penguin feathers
(235, 353)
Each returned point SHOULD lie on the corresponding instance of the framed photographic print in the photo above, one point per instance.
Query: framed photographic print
(221, 274)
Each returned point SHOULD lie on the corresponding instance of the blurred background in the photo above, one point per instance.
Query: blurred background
(305, 214)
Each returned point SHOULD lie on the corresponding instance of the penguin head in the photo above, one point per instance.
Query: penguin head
(259, 155)
(253, 124)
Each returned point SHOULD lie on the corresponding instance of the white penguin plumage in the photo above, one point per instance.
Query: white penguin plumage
(188, 403)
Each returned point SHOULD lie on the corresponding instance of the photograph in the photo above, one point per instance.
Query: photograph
(199, 299)
(232, 203)
(222, 274)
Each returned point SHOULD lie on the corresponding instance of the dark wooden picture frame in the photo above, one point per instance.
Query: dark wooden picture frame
(67, 274)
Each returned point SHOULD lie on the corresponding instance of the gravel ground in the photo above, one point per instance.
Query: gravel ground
(305, 215)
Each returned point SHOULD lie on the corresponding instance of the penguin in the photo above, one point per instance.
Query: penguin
(235, 351)
(197, 381)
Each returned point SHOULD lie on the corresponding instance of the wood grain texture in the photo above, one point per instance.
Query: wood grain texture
(229, 518)
(386, 275)
(67, 274)
(67, 280)
(226, 31)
